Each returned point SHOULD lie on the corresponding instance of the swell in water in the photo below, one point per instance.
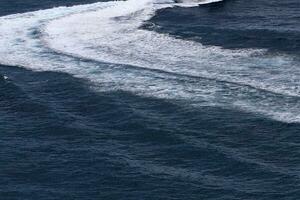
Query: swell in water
(79, 39)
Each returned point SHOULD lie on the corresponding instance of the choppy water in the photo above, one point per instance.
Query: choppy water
(145, 99)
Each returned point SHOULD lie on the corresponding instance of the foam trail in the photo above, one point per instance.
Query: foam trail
(121, 41)
(109, 32)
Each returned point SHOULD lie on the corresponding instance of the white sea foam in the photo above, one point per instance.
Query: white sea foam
(110, 32)
(192, 3)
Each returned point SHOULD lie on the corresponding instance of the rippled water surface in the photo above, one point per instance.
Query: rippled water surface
(150, 99)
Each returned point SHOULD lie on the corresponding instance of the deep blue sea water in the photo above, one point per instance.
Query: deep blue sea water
(197, 102)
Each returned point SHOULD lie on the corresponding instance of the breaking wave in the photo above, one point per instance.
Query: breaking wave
(103, 43)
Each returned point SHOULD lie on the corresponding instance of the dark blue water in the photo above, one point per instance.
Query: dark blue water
(61, 139)
(270, 24)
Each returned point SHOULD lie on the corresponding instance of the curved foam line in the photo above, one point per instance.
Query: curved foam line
(121, 41)
(109, 32)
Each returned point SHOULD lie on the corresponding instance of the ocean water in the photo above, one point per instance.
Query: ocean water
(150, 99)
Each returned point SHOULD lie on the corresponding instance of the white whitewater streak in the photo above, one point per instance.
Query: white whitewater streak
(110, 32)
(101, 36)
(192, 3)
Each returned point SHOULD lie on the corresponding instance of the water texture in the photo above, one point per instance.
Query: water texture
(149, 99)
